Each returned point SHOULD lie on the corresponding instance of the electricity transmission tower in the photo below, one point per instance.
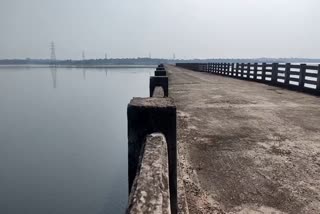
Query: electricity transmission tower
(53, 53)
(83, 56)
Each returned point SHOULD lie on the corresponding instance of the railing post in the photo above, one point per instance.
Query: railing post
(274, 73)
(224, 68)
(248, 70)
(287, 74)
(318, 78)
(255, 71)
(227, 69)
(237, 70)
(302, 75)
(232, 69)
(242, 70)
(263, 72)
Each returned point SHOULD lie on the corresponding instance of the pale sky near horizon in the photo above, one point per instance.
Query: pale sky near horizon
(133, 28)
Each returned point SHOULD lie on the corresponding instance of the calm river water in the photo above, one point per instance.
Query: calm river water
(63, 139)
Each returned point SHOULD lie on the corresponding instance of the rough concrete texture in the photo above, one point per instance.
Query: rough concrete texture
(158, 92)
(150, 190)
(246, 147)
(160, 68)
(146, 116)
(159, 81)
(182, 198)
(152, 102)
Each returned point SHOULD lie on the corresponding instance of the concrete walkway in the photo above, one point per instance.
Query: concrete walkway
(246, 147)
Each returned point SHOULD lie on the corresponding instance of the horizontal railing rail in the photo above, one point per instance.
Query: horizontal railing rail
(302, 77)
(150, 189)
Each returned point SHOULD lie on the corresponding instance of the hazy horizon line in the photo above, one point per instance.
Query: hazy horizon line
(160, 58)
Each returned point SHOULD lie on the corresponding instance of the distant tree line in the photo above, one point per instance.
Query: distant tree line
(148, 61)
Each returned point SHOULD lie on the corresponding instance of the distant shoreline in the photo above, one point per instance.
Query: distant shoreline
(78, 66)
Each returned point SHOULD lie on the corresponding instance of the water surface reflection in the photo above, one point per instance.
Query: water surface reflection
(63, 145)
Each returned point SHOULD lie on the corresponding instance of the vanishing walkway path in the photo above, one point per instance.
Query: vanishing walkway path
(246, 147)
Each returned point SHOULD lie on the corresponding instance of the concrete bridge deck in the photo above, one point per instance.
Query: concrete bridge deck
(246, 147)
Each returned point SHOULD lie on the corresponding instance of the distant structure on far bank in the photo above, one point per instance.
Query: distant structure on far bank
(53, 58)
(83, 56)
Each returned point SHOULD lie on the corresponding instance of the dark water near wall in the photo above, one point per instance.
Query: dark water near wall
(63, 139)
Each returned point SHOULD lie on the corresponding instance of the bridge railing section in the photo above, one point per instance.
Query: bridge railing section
(300, 77)
(152, 152)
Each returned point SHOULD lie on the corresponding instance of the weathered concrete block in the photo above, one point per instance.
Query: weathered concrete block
(160, 73)
(160, 69)
(150, 190)
(146, 116)
(159, 81)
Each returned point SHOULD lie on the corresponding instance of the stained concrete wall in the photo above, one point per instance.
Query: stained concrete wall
(150, 191)
(156, 114)
(159, 81)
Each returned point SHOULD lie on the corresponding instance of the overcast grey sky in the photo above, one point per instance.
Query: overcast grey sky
(132, 28)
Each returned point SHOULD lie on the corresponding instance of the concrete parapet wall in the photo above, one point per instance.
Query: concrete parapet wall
(146, 116)
(303, 77)
(160, 68)
(156, 114)
(160, 73)
(159, 81)
(150, 190)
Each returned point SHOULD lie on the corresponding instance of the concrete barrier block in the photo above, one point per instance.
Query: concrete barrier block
(160, 73)
(160, 69)
(159, 81)
(146, 116)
